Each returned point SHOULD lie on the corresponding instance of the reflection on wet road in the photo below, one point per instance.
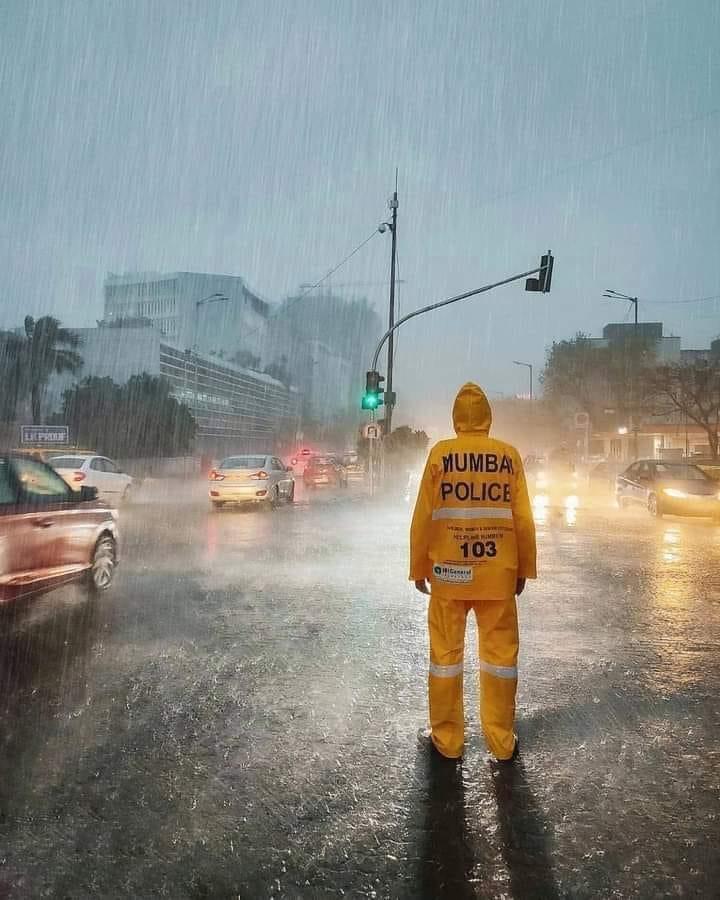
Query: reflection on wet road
(238, 718)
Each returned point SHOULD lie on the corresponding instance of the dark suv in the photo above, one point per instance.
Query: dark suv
(50, 534)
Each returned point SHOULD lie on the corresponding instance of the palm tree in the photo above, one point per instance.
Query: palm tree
(48, 348)
(12, 348)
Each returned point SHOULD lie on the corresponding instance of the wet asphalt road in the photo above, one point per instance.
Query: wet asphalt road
(237, 718)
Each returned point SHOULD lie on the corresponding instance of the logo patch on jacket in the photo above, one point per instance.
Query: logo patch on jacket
(453, 574)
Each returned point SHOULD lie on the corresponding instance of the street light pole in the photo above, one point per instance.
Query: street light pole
(617, 295)
(392, 225)
(528, 366)
(211, 298)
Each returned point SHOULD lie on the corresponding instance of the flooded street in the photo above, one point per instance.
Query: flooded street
(237, 717)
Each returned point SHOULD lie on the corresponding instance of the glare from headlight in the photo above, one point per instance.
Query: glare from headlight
(674, 492)
(572, 502)
(540, 500)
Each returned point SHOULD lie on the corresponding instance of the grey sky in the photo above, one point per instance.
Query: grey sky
(261, 139)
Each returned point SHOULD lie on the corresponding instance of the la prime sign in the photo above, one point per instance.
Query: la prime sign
(44, 434)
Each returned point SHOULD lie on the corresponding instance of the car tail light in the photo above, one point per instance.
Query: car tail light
(216, 476)
(259, 476)
(79, 476)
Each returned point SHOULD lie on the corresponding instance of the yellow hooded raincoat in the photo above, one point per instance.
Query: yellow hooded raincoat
(473, 537)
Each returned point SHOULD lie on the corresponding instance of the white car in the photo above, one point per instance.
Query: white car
(88, 469)
(251, 478)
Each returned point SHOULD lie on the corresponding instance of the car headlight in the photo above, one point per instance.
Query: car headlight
(572, 502)
(674, 492)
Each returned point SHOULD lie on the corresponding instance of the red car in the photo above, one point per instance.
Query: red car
(50, 534)
(324, 470)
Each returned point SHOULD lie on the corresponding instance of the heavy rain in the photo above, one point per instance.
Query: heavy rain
(322, 325)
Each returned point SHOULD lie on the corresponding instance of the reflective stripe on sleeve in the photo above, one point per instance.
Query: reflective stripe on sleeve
(499, 671)
(446, 671)
(473, 512)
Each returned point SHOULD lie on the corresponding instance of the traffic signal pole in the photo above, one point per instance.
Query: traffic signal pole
(540, 284)
(373, 396)
(391, 322)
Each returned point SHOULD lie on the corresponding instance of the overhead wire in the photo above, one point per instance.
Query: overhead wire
(312, 287)
(691, 300)
(608, 154)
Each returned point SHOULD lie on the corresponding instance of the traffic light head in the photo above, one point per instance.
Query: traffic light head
(373, 396)
(370, 401)
(542, 282)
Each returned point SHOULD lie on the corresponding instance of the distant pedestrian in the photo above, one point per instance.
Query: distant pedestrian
(473, 540)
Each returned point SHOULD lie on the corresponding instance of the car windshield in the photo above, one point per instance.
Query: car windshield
(680, 472)
(243, 462)
(66, 462)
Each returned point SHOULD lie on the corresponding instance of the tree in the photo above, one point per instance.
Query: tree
(591, 376)
(279, 371)
(246, 360)
(694, 391)
(48, 348)
(126, 322)
(404, 449)
(11, 374)
(137, 419)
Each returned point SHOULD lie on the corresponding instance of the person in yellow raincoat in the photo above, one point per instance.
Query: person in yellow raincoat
(473, 539)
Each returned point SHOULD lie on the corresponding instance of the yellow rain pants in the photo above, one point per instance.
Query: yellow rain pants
(498, 651)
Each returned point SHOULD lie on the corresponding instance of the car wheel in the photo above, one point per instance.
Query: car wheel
(275, 498)
(102, 569)
(654, 507)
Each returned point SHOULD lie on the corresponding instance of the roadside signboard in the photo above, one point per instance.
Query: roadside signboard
(44, 434)
(372, 431)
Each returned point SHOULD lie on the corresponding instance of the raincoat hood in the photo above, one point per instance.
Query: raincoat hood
(471, 411)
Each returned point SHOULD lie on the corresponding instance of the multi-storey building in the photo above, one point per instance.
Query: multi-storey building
(236, 409)
(204, 313)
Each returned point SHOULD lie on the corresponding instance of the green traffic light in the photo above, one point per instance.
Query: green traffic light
(369, 401)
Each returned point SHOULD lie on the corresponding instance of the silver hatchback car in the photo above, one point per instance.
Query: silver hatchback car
(251, 478)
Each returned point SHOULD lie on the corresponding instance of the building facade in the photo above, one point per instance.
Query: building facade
(622, 436)
(204, 313)
(665, 348)
(325, 344)
(236, 409)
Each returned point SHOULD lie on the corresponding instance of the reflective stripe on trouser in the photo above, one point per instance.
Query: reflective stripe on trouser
(498, 639)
